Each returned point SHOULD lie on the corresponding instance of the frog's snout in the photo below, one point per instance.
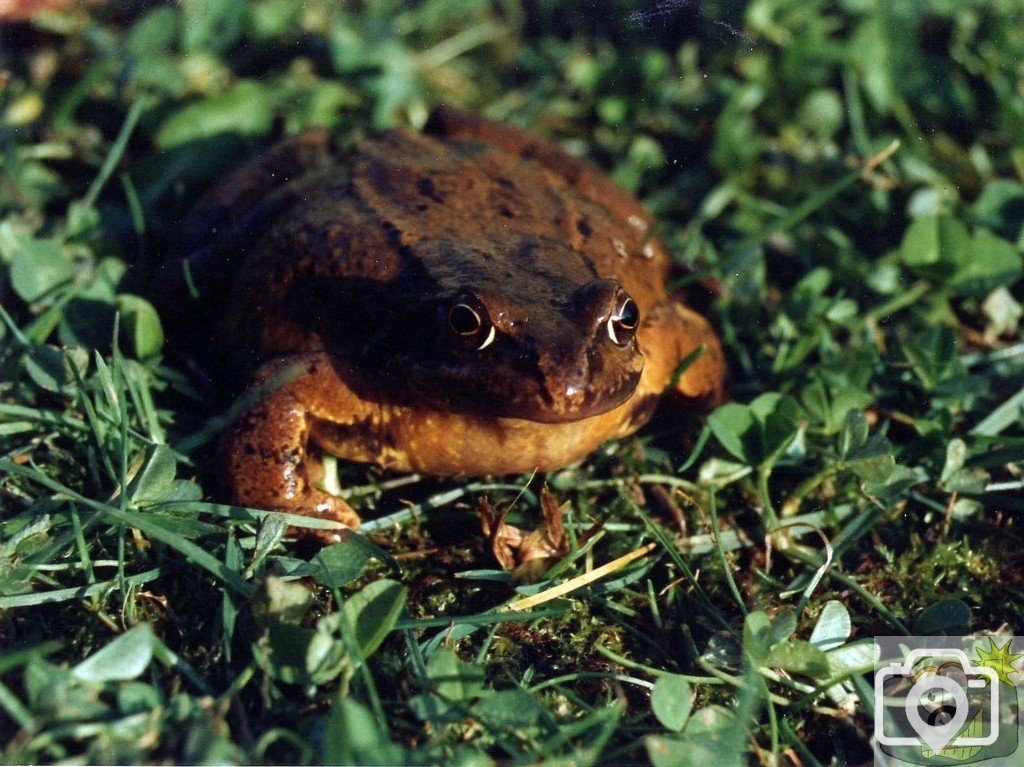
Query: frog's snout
(595, 366)
(589, 380)
(567, 384)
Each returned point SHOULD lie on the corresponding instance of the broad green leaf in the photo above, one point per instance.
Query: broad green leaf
(136, 698)
(60, 695)
(756, 626)
(373, 612)
(852, 657)
(671, 701)
(868, 455)
(897, 485)
(272, 18)
(822, 112)
(934, 245)
(871, 50)
(1000, 207)
(766, 404)
(353, 736)
(854, 434)
(833, 626)
(758, 433)
(829, 399)
(455, 679)
(124, 658)
(52, 368)
(735, 427)
(956, 477)
(799, 657)
(428, 707)
(243, 110)
(780, 426)
(154, 480)
(82, 219)
(155, 32)
(669, 751)
(141, 333)
(873, 461)
(939, 248)
(38, 267)
(515, 709)
(965, 508)
(951, 617)
(340, 563)
(712, 736)
(932, 356)
(270, 533)
(326, 657)
(782, 628)
(211, 25)
(282, 652)
(993, 263)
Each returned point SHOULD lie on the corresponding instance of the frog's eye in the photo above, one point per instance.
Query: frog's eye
(470, 324)
(464, 320)
(623, 323)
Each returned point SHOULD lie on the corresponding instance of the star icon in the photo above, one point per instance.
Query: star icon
(1000, 659)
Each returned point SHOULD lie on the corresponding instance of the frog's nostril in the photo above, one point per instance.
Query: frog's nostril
(574, 385)
(569, 387)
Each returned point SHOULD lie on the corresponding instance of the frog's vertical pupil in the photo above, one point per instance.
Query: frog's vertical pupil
(464, 320)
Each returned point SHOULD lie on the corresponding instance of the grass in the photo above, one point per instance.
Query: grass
(849, 172)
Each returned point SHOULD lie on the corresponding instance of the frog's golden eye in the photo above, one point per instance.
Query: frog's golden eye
(467, 323)
(623, 323)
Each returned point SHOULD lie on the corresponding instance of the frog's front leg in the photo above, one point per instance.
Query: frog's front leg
(669, 333)
(265, 452)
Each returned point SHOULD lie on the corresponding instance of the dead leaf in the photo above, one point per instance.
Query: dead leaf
(527, 553)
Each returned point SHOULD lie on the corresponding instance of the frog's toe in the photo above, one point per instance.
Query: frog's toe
(326, 506)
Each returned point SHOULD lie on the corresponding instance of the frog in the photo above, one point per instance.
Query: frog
(468, 299)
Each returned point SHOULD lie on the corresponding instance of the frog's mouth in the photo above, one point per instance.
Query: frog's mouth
(538, 396)
(569, 400)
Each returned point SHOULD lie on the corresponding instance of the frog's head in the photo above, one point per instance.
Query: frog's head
(557, 352)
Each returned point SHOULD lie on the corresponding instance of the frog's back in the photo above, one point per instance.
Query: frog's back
(344, 252)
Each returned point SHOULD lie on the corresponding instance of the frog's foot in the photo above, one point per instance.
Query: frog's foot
(266, 462)
(670, 336)
(327, 506)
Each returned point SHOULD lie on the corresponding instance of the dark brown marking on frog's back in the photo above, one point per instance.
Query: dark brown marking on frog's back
(541, 240)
